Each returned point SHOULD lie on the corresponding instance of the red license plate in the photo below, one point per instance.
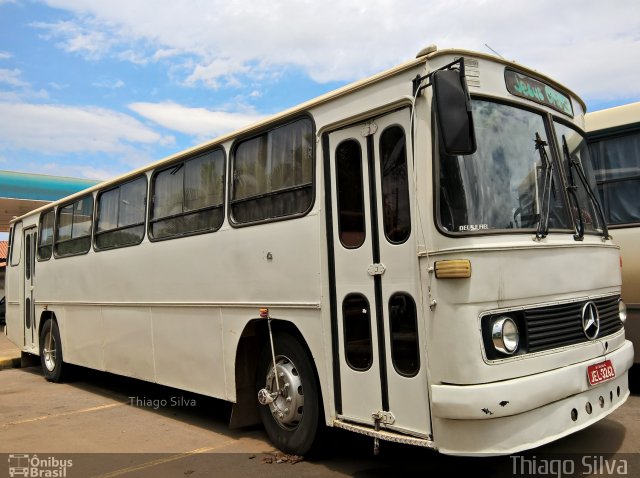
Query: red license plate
(600, 372)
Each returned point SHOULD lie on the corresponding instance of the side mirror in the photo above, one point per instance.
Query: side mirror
(453, 112)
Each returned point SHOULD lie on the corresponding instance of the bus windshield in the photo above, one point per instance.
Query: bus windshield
(500, 186)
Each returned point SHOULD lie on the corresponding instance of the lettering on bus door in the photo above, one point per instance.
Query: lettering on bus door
(382, 362)
(29, 280)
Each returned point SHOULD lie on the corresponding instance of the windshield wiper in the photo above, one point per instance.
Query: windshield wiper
(543, 219)
(572, 189)
(574, 163)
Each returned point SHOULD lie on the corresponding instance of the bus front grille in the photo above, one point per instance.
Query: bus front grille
(561, 325)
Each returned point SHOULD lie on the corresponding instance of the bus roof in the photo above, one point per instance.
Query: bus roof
(429, 53)
(613, 117)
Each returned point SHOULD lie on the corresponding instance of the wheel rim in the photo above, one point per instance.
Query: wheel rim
(49, 352)
(288, 407)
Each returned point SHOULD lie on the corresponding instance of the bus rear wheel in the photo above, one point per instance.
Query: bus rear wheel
(51, 352)
(292, 419)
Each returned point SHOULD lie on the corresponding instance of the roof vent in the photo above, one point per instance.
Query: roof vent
(426, 50)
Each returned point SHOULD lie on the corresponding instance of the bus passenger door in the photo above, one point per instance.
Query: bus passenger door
(352, 243)
(379, 337)
(30, 235)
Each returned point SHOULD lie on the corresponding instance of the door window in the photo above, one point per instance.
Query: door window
(404, 334)
(357, 332)
(350, 194)
(396, 213)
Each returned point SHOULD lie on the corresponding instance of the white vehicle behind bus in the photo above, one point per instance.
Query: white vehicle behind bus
(418, 257)
(614, 142)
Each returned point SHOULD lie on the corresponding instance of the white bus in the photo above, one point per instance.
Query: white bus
(412, 257)
(614, 142)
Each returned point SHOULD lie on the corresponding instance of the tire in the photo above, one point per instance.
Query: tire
(296, 426)
(51, 352)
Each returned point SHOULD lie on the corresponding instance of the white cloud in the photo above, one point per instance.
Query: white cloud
(584, 43)
(54, 129)
(86, 37)
(199, 122)
(211, 72)
(109, 84)
(5, 55)
(166, 53)
(12, 78)
(58, 86)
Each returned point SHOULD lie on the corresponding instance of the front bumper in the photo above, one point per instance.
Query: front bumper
(514, 415)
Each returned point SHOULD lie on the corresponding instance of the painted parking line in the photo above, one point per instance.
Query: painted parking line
(161, 461)
(62, 414)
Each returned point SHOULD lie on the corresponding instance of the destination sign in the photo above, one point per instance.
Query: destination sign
(532, 89)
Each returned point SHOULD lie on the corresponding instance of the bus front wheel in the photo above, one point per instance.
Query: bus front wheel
(51, 351)
(292, 418)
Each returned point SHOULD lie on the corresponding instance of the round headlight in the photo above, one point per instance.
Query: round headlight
(622, 311)
(505, 335)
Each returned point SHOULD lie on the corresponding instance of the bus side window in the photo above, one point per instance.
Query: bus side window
(188, 197)
(273, 174)
(121, 215)
(73, 231)
(45, 240)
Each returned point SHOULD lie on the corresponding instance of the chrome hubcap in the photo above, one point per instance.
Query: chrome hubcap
(49, 352)
(287, 407)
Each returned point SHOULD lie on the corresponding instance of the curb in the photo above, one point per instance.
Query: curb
(10, 362)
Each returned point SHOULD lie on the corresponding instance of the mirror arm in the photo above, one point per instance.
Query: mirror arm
(417, 81)
(417, 87)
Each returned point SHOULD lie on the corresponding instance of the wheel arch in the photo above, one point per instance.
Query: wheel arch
(44, 316)
(253, 337)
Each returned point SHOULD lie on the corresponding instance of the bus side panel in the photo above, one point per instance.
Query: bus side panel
(128, 345)
(81, 332)
(187, 345)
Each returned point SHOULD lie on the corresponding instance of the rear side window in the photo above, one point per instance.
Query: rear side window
(121, 215)
(188, 197)
(45, 240)
(73, 228)
(273, 174)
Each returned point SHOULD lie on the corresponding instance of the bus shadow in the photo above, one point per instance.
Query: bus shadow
(198, 410)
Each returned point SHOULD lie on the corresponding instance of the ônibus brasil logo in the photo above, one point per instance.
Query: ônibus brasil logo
(34, 466)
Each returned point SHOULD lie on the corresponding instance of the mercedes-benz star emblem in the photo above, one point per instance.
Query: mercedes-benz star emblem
(590, 320)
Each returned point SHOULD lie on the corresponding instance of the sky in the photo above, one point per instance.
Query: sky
(95, 88)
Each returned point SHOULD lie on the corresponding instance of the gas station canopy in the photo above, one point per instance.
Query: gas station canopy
(22, 192)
